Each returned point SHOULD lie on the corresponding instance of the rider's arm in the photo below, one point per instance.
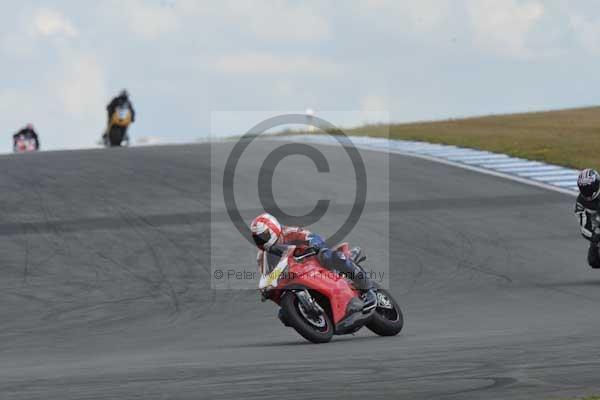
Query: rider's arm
(303, 238)
(260, 259)
(111, 106)
(316, 242)
(585, 222)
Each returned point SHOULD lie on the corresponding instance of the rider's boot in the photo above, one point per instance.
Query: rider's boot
(367, 288)
(369, 298)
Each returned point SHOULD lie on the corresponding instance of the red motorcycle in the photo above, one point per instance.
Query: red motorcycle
(319, 303)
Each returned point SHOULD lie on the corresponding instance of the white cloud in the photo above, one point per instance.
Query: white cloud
(284, 88)
(46, 22)
(82, 87)
(274, 20)
(17, 45)
(281, 20)
(146, 19)
(503, 26)
(587, 32)
(398, 16)
(266, 63)
(12, 114)
(374, 103)
(149, 20)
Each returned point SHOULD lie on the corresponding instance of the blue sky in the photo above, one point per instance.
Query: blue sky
(61, 61)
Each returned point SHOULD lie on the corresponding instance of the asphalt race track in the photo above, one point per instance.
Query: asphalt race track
(106, 284)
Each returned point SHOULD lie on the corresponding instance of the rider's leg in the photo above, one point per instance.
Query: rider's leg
(335, 260)
(593, 256)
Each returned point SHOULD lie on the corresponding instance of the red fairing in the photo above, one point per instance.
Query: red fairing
(310, 274)
(319, 303)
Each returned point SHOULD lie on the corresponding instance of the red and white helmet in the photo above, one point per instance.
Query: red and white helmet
(265, 230)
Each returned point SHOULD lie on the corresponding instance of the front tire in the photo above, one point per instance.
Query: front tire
(115, 136)
(387, 319)
(316, 331)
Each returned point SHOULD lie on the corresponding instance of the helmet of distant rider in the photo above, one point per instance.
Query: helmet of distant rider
(29, 126)
(265, 230)
(123, 93)
(589, 184)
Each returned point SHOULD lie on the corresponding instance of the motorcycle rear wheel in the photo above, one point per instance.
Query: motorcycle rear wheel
(314, 330)
(387, 319)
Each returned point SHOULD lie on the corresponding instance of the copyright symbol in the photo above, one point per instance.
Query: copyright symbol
(218, 274)
(266, 172)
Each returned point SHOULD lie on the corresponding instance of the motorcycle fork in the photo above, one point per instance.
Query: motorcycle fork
(309, 303)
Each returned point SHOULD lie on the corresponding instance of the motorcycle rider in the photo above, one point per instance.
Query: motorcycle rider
(122, 100)
(587, 207)
(268, 234)
(29, 132)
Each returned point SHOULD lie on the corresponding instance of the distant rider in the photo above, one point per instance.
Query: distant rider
(268, 234)
(122, 100)
(586, 209)
(29, 133)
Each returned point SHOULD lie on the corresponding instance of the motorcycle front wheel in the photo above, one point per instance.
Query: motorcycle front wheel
(316, 329)
(115, 136)
(387, 319)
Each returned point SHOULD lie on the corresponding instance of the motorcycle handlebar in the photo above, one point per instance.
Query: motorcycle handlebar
(309, 253)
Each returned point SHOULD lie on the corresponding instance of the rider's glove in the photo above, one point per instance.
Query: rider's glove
(316, 242)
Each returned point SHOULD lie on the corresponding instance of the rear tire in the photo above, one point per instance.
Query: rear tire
(293, 316)
(386, 321)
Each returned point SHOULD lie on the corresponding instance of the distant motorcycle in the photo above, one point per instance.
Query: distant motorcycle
(24, 144)
(116, 132)
(319, 303)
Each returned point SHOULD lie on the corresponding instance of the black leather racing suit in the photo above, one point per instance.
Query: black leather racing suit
(589, 222)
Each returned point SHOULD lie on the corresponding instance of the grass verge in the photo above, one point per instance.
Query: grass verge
(588, 398)
(565, 137)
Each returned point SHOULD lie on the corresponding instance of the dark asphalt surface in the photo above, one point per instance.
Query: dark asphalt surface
(107, 258)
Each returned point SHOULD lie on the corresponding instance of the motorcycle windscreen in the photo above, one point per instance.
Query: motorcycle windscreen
(275, 262)
(123, 113)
